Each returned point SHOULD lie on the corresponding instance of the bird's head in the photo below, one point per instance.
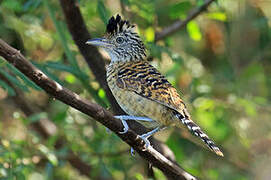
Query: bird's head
(121, 41)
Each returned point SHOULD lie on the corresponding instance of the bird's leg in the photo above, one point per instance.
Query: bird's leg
(125, 118)
(145, 137)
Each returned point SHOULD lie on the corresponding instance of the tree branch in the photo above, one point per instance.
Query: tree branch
(95, 111)
(180, 24)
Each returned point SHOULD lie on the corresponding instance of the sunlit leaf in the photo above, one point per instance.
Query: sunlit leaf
(221, 16)
(70, 78)
(158, 174)
(101, 93)
(51, 157)
(150, 34)
(194, 31)
(139, 176)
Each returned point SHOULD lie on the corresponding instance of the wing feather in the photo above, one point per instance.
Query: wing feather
(143, 79)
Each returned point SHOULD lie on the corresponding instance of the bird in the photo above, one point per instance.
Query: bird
(139, 88)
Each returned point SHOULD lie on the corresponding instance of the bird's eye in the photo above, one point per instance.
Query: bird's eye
(119, 40)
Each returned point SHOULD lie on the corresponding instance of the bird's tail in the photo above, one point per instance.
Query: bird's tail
(195, 129)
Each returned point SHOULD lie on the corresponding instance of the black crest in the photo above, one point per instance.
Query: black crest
(116, 25)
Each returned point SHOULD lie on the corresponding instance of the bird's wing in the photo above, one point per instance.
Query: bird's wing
(143, 79)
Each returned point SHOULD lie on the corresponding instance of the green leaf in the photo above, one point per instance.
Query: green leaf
(194, 31)
(149, 32)
(101, 93)
(36, 117)
(13, 5)
(9, 89)
(70, 78)
(59, 66)
(126, 2)
(139, 176)
(61, 33)
(44, 69)
(14, 80)
(66, 68)
(20, 176)
(221, 16)
(158, 174)
(180, 9)
(50, 156)
(102, 12)
(31, 4)
(249, 107)
(27, 81)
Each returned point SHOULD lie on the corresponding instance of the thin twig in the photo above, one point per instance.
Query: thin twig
(179, 24)
(95, 111)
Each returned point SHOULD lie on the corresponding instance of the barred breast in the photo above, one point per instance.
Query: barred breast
(137, 105)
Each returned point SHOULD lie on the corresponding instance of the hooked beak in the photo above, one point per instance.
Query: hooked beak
(102, 42)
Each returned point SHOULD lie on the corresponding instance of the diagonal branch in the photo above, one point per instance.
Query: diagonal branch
(180, 24)
(95, 111)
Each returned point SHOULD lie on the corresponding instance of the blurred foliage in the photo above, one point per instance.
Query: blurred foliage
(220, 62)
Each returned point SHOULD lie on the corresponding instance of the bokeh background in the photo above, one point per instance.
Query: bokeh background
(220, 63)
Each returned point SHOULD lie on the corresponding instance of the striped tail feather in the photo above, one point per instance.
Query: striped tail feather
(195, 129)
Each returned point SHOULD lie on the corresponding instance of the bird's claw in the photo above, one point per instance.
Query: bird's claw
(147, 142)
(126, 127)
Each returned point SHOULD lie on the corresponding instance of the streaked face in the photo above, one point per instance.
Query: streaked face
(121, 42)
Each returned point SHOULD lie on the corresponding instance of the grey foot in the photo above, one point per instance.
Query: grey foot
(125, 118)
(145, 137)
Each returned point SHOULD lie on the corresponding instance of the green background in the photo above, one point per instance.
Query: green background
(220, 63)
